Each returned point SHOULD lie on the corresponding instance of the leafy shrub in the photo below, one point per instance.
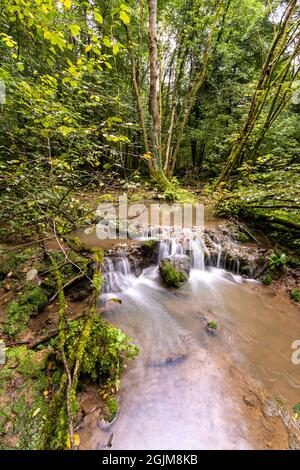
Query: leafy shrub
(105, 350)
(113, 407)
(277, 262)
(268, 279)
(295, 295)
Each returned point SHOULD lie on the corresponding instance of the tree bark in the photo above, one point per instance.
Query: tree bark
(277, 49)
(154, 84)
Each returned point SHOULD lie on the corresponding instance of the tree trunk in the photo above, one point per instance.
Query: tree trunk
(154, 85)
(277, 49)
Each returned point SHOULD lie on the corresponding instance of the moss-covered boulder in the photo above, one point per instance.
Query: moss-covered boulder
(19, 310)
(175, 270)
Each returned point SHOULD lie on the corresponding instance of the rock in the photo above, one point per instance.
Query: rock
(170, 360)
(294, 443)
(31, 275)
(175, 270)
(250, 401)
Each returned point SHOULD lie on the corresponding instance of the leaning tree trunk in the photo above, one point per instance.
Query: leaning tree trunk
(278, 47)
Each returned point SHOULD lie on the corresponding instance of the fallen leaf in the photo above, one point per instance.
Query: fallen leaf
(119, 301)
(36, 412)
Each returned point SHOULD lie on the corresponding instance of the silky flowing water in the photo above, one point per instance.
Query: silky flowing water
(177, 394)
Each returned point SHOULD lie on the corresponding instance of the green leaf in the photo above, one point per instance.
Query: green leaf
(124, 17)
(98, 17)
(75, 29)
(124, 7)
(68, 4)
(47, 35)
(118, 301)
(116, 48)
(106, 41)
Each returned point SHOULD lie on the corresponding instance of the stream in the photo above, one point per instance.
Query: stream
(178, 393)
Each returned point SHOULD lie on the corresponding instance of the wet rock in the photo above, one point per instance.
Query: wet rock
(172, 359)
(252, 402)
(149, 252)
(175, 270)
(294, 443)
(211, 328)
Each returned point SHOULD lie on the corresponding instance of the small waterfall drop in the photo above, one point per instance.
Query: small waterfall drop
(116, 274)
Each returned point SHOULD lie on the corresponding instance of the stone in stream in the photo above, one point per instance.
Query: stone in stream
(175, 270)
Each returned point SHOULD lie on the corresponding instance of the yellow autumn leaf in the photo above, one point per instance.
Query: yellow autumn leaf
(76, 440)
(68, 4)
(36, 412)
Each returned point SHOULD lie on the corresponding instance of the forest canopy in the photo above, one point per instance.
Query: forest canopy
(207, 91)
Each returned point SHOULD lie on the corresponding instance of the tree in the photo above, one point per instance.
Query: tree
(277, 76)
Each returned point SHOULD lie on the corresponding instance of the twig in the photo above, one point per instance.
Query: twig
(71, 281)
(65, 253)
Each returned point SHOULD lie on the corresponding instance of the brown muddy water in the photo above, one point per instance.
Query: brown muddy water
(176, 394)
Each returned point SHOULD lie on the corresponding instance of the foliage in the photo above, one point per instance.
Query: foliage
(105, 349)
(295, 295)
(212, 325)
(171, 276)
(268, 197)
(268, 279)
(277, 262)
(18, 312)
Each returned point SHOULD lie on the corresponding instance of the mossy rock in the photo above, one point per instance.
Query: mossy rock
(17, 318)
(19, 311)
(243, 238)
(12, 262)
(33, 363)
(175, 271)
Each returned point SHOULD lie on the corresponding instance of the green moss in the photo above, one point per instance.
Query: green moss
(17, 317)
(243, 238)
(212, 325)
(24, 411)
(36, 298)
(12, 262)
(150, 244)
(170, 275)
(268, 279)
(48, 285)
(18, 311)
(32, 363)
(113, 407)
(297, 408)
(295, 295)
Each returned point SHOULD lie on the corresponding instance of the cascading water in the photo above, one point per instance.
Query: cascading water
(178, 393)
(118, 273)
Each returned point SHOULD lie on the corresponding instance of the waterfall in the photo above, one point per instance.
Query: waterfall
(205, 252)
(116, 272)
(194, 247)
